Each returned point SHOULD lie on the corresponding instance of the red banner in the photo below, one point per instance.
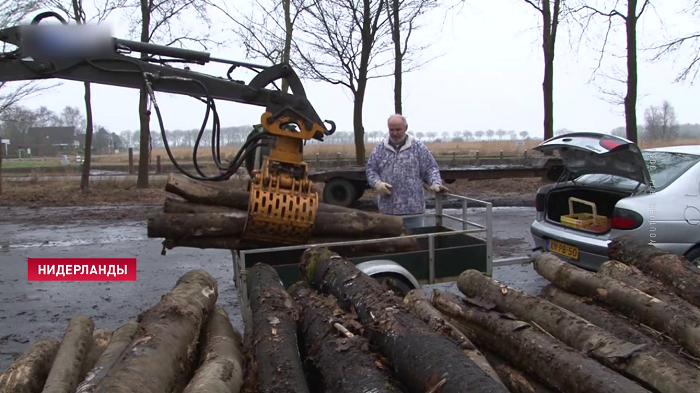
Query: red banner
(81, 269)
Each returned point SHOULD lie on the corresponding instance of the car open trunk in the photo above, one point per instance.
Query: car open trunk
(557, 203)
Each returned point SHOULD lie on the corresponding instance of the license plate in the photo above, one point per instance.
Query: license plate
(563, 249)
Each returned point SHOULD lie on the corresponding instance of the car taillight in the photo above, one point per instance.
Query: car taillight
(539, 202)
(626, 219)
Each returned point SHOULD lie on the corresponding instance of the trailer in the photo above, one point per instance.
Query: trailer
(443, 254)
(344, 186)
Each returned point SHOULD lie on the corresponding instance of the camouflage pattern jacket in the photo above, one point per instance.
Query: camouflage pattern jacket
(405, 170)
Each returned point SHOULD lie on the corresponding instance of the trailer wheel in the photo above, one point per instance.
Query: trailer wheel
(360, 188)
(396, 283)
(340, 192)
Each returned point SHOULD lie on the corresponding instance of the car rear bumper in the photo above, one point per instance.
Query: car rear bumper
(592, 251)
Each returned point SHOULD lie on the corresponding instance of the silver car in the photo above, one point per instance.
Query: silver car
(651, 194)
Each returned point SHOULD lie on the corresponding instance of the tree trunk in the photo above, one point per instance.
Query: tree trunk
(335, 354)
(358, 127)
(144, 112)
(87, 157)
(515, 380)
(629, 301)
(100, 341)
(162, 356)
(395, 19)
(534, 351)
(419, 305)
(121, 338)
(65, 373)
(597, 315)
(276, 353)
(632, 360)
(406, 341)
(288, 34)
(632, 76)
(221, 361)
(549, 31)
(28, 373)
(673, 270)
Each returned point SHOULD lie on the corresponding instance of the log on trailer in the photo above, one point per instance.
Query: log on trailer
(515, 380)
(421, 358)
(221, 362)
(100, 341)
(624, 298)
(675, 271)
(341, 356)
(534, 351)
(120, 340)
(28, 373)
(162, 355)
(650, 366)
(419, 304)
(632, 276)
(65, 373)
(274, 336)
(357, 225)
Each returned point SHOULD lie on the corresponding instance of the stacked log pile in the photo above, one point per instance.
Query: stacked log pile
(205, 215)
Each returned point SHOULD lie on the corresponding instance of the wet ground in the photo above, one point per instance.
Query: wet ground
(29, 310)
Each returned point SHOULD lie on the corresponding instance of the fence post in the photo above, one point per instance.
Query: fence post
(339, 160)
(525, 154)
(131, 160)
(501, 156)
(454, 158)
(318, 161)
(159, 169)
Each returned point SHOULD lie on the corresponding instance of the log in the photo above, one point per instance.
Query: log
(534, 351)
(221, 361)
(28, 373)
(162, 355)
(208, 193)
(65, 373)
(622, 297)
(634, 277)
(421, 358)
(120, 340)
(345, 363)
(276, 354)
(515, 380)
(100, 341)
(173, 204)
(673, 270)
(647, 365)
(420, 306)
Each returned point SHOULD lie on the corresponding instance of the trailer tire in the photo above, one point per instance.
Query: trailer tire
(340, 192)
(401, 285)
(360, 188)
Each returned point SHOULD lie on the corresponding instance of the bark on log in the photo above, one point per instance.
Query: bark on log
(120, 340)
(100, 341)
(174, 204)
(634, 277)
(534, 351)
(647, 365)
(515, 380)
(406, 341)
(28, 373)
(221, 361)
(626, 299)
(419, 305)
(217, 194)
(345, 363)
(673, 270)
(276, 353)
(161, 357)
(65, 373)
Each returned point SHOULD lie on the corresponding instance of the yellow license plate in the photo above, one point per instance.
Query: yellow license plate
(563, 249)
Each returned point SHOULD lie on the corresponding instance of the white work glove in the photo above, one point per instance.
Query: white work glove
(439, 188)
(383, 188)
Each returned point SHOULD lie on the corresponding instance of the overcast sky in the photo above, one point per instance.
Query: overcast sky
(489, 77)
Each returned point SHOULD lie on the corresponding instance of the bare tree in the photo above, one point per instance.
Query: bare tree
(630, 18)
(551, 12)
(524, 134)
(158, 23)
(660, 122)
(675, 44)
(340, 42)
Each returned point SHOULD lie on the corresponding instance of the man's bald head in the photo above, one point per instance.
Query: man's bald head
(397, 125)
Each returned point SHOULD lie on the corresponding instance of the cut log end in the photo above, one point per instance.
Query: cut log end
(29, 372)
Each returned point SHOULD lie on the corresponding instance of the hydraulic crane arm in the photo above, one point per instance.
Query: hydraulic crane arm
(283, 201)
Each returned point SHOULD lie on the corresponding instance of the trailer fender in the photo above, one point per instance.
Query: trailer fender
(385, 268)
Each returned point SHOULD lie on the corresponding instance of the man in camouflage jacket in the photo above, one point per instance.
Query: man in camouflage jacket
(397, 168)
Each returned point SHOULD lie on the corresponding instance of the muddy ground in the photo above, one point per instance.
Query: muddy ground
(33, 309)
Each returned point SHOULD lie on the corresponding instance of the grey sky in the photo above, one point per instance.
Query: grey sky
(490, 77)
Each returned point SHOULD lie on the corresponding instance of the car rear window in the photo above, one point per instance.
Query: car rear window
(664, 168)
